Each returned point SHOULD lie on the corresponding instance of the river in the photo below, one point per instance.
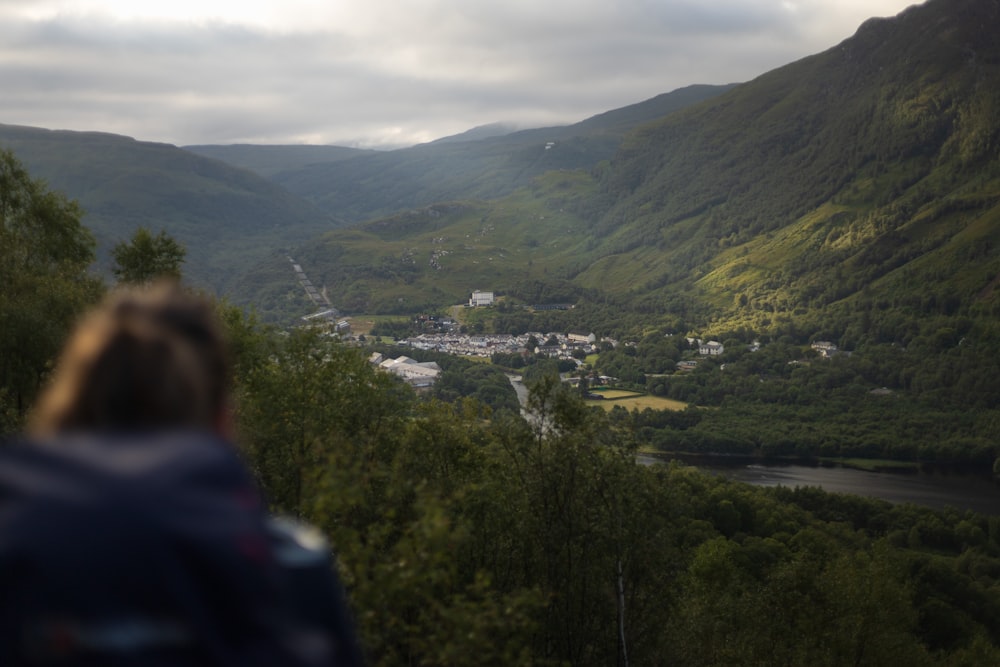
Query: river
(929, 487)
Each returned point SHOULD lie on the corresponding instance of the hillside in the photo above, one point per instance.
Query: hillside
(226, 217)
(382, 183)
(267, 161)
(868, 172)
(819, 196)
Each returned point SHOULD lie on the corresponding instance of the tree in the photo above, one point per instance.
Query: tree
(145, 258)
(44, 284)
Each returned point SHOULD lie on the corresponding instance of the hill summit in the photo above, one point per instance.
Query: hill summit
(868, 168)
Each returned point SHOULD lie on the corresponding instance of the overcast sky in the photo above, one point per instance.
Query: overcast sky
(379, 73)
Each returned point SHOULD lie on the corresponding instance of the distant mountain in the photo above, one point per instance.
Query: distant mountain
(460, 167)
(226, 217)
(855, 192)
(216, 201)
(480, 132)
(270, 160)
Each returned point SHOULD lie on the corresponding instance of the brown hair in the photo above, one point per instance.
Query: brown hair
(151, 358)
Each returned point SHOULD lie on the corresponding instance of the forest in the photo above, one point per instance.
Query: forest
(472, 536)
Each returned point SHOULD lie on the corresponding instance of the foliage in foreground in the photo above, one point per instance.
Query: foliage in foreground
(44, 284)
(466, 540)
(145, 258)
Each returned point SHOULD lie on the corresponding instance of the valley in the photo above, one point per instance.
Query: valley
(798, 272)
(852, 197)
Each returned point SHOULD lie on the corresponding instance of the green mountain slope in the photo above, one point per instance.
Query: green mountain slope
(857, 182)
(226, 217)
(427, 258)
(381, 183)
(267, 161)
(864, 170)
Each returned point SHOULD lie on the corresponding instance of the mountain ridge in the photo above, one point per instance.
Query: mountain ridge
(386, 182)
(223, 215)
(227, 214)
(821, 188)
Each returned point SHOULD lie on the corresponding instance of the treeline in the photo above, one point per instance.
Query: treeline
(929, 402)
(471, 538)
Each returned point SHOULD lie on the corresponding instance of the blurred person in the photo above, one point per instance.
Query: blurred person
(131, 533)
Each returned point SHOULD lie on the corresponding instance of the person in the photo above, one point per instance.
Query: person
(131, 533)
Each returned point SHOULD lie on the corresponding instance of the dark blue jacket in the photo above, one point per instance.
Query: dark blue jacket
(154, 549)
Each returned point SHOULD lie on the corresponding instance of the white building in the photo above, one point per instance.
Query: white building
(412, 371)
(825, 348)
(711, 348)
(590, 339)
(481, 299)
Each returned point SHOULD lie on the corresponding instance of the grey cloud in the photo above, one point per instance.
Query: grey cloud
(447, 68)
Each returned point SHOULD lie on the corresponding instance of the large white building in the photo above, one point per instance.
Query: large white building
(412, 371)
(481, 299)
(711, 348)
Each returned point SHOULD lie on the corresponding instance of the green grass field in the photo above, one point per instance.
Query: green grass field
(631, 400)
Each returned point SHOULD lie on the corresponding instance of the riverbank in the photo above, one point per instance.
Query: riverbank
(929, 485)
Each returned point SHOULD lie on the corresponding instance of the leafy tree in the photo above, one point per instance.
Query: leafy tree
(145, 257)
(305, 399)
(44, 283)
(468, 538)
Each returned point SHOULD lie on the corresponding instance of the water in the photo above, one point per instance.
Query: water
(928, 487)
(935, 488)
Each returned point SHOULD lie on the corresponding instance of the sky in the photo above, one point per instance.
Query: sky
(382, 73)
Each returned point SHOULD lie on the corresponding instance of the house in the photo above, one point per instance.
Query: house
(481, 299)
(825, 348)
(581, 339)
(712, 348)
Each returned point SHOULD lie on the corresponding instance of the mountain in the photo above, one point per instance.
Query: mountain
(480, 132)
(226, 217)
(270, 160)
(217, 202)
(869, 169)
(854, 192)
(461, 167)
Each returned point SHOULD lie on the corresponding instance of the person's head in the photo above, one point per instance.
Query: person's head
(147, 359)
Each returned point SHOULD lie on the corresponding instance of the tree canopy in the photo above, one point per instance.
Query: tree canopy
(474, 539)
(145, 257)
(45, 253)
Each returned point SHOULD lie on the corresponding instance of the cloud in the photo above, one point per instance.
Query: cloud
(381, 72)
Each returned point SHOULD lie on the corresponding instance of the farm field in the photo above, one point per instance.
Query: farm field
(632, 400)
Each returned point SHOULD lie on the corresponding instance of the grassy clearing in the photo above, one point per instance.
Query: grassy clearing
(476, 359)
(363, 324)
(638, 402)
